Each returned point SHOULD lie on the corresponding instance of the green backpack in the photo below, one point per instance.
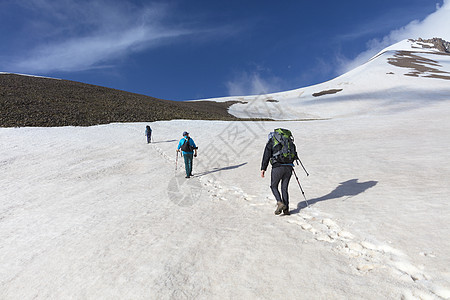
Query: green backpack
(283, 150)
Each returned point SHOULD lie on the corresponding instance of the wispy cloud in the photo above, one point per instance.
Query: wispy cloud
(81, 35)
(253, 83)
(436, 24)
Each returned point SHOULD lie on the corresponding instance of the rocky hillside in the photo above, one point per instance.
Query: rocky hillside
(46, 102)
(436, 43)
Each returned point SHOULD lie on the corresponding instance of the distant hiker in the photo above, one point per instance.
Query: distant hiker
(280, 151)
(189, 151)
(148, 133)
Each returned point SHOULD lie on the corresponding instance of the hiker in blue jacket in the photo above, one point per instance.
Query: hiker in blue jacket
(189, 151)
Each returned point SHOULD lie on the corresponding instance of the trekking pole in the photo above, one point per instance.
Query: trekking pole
(176, 162)
(298, 160)
(303, 193)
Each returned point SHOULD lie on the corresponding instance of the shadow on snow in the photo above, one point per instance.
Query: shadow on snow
(169, 141)
(347, 188)
(220, 169)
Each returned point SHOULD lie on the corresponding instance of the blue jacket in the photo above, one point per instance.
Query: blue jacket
(191, 142)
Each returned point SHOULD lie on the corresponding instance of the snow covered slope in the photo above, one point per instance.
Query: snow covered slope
(97, 213)
(407, 75)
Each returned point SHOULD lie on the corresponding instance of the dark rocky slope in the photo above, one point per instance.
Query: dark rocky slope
(46, 102)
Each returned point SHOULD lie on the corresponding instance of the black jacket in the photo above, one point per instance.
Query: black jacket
(267, 156)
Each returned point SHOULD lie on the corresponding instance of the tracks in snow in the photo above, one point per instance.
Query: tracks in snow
(366, 256)
(369, 256)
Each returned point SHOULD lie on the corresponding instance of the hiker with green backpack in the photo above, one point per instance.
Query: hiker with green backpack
(280, 151)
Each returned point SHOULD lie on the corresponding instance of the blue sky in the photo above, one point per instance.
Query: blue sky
(182, 50)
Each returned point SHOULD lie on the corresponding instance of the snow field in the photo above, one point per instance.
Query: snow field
(410, 191)
(96, 212)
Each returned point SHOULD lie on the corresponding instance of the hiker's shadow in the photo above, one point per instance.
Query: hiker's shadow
(221, 169)
(168, 141)
(347, 188)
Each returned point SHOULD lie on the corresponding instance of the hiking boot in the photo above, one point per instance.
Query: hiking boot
(188, 176)
(280, 207)
(286, 211)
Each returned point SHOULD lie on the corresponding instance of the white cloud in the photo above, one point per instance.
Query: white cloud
(89, 34)
(436, 24)
(82, 53)
(252, 84)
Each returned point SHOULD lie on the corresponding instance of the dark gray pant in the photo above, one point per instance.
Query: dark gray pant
(283, 174)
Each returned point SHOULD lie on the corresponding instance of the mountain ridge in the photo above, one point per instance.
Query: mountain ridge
(405, 75)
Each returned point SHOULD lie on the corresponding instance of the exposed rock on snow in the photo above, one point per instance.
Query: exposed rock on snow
(419, 65)
(327, 92)
(436, 43)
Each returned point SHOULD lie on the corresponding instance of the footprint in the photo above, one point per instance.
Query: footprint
(409, 269)
(304, 226)
(305, 216)
(382, 248)
(431, 254)
(295, 222)
(346, 235)
(354, 247)
(368, 245)
(365, 267)
(331, 224)
(324, 238)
